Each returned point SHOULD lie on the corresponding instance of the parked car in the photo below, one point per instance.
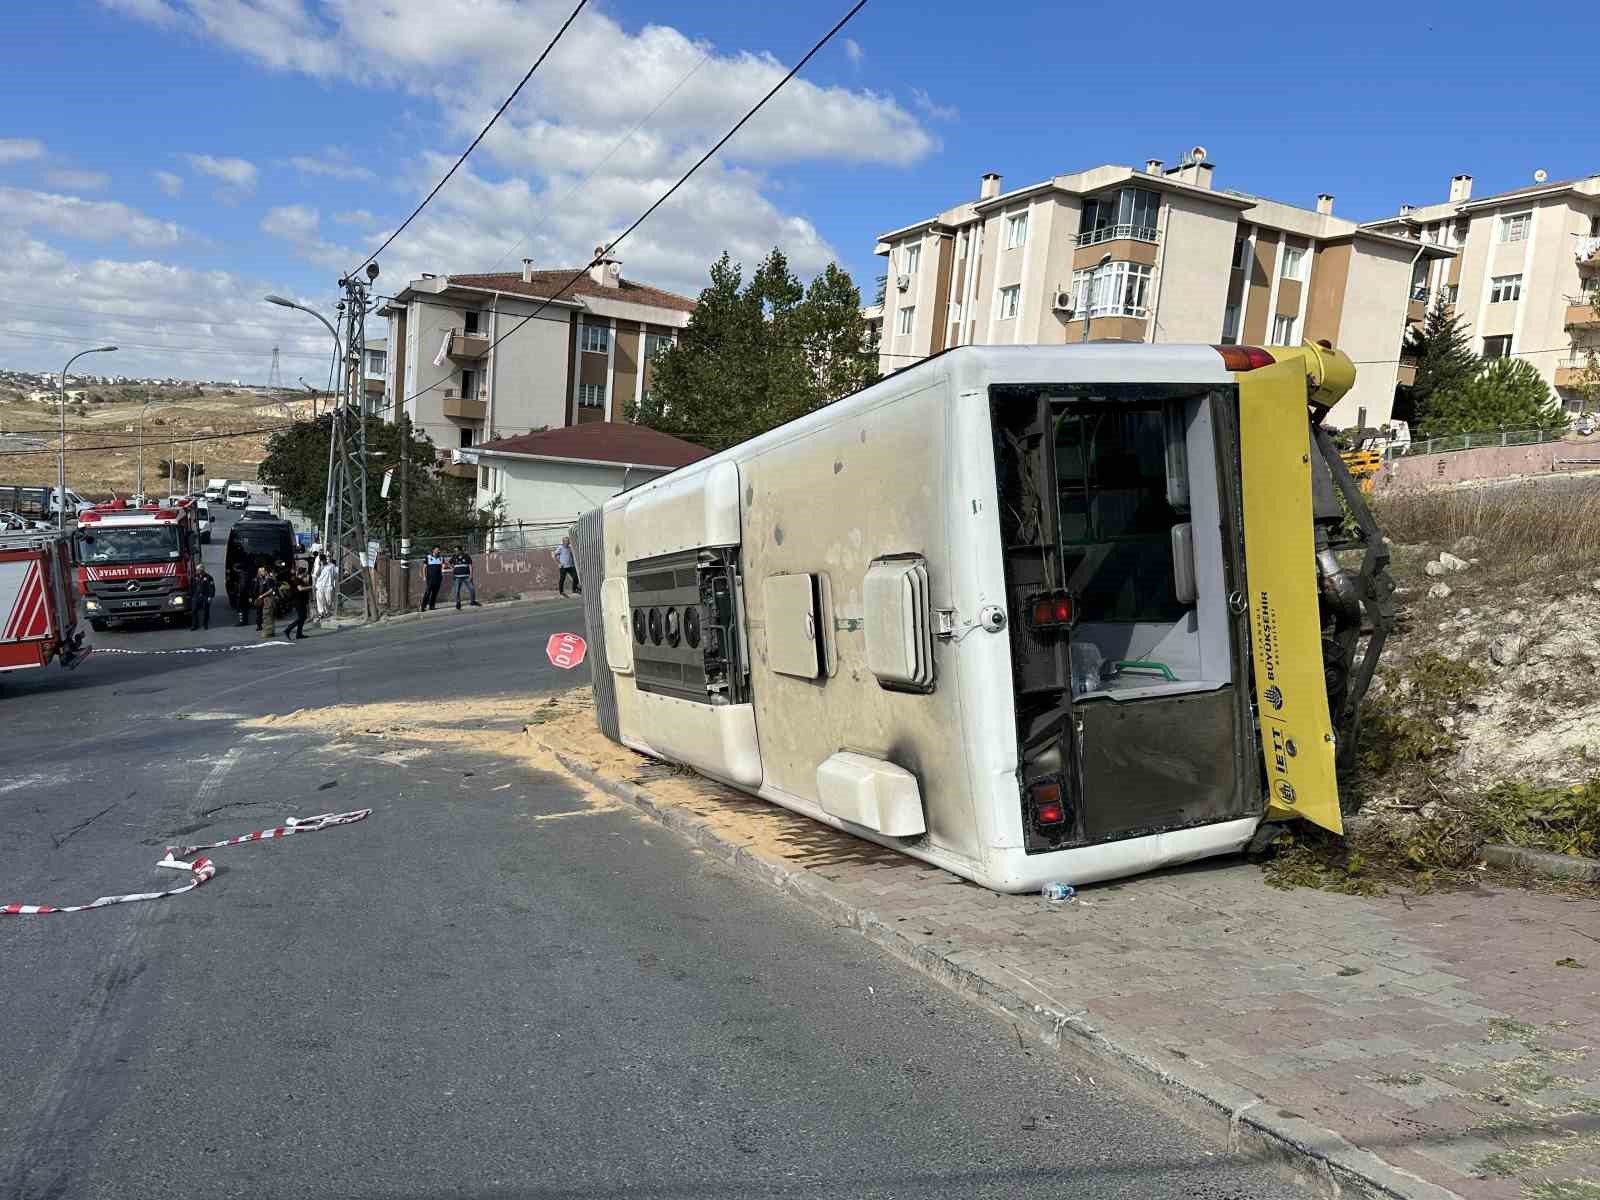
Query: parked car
(1585, 425)
(258, 512)
(238, 495)
(12, 522)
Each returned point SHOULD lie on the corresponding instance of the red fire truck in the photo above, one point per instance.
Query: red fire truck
(38, 610)
(138, 563)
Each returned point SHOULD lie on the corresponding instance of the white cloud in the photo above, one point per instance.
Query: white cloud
(680, 92)
(300, 226)
(78, 181)
(935, 111)
(157, 12)
(212, 324)
(94, 220)
(236, 173)
(356, 216)
(169, 182)
(853, 51)
(20, 150)
(333, 162)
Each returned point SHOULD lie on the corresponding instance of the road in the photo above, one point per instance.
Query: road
(492, 988)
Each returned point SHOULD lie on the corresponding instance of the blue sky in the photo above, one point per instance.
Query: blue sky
(163, 163)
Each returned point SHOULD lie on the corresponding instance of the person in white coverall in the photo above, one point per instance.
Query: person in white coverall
(326, 578)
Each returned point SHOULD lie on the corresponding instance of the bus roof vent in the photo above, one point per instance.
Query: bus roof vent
(899, 623)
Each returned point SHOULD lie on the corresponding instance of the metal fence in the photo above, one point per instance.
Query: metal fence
(1475, 441)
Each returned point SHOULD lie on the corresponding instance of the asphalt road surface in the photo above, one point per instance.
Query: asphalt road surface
(457, 998)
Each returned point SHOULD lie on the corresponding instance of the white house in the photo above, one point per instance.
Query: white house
(549, 479)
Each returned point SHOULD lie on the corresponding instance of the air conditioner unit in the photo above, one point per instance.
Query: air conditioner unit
(902, 282)
(1062, 301)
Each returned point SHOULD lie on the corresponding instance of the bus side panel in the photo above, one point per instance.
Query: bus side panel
(589, 552)
(872, 484)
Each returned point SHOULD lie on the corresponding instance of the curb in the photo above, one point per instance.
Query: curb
(1544, 862)
(402, 618)
(1248, 1123)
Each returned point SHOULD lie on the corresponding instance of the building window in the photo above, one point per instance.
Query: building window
(1514, 227)
(469, 321)
(1293, 264)
(911, 259)
(1016, 231)
(469, 385)
(655, 343)
(1241, 253)
(1449, 292)
(955, 312)
(1505, 288)
(483, 477)
(376, 361)
(1010, 298)
(904, 318)
(1230, 324)
(591, 395)
(1283, 330)
(466, 436)
(1128, 213)
(1497, 347)
(1119, 289)
(596, 339)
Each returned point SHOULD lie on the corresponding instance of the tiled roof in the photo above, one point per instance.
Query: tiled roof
(604, 441)
(545, 284)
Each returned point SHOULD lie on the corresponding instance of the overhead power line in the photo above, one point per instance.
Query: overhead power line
(671, 191)
(148, 442)
(482, 133)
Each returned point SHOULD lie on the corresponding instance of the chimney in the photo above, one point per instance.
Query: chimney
(597, 268)
(989, 186)
(1407, 209)
(1460, 189)
(1324, 204)
(1152, 166)
(527, 270)
(1194, 169)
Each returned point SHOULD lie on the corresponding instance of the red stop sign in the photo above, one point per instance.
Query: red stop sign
(566, 650)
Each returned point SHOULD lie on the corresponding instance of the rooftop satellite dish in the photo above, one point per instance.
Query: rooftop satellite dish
(1541, 175)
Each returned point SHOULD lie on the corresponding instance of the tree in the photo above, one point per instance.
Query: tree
(1507, 393)
(757, 354)
(1444, 357)
(441, 506)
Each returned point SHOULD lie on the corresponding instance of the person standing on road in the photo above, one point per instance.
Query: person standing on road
(326, 579)
(461, 572)
(299, 588)
(434, 579)
(205, 590)
(569, 566)
(264, 596)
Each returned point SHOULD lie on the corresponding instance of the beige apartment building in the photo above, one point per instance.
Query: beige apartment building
(464, 378)
(1523, 272)
(1157, 254)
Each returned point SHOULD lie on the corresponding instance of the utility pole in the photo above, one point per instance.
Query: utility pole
(405, 511)
(345, 537)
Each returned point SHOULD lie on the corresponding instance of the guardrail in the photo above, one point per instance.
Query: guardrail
(1474, 441)
(1111, 233)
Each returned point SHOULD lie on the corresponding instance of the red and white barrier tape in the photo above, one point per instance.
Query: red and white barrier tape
(202, 869)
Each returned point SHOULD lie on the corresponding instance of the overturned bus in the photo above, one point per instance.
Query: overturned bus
(1026, 613)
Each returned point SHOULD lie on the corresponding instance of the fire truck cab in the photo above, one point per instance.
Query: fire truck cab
(137, 564)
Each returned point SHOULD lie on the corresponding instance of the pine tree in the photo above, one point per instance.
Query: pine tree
(757, 354)
(1445, 360)
(1508, 393)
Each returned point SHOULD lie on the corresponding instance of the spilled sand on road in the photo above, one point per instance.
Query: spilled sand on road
(402, 732)
(539, 731)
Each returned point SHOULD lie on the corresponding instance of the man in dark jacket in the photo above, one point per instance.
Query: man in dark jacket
(435, 578)
(461, 572)
(205, 590)
(299, 589)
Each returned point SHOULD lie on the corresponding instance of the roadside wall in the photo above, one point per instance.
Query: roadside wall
(1461, 466)
(499, 575)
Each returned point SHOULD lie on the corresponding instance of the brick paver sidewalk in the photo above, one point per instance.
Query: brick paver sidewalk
(1439, 1032)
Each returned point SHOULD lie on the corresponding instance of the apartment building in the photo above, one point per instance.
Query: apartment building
(1525, 266)
(464, 378)
(1157, 254)
(374, 376)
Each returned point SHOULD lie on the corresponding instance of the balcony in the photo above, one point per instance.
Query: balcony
(1119, 233)
(1572, 374)
(458, 470)
(1581, 316)
(374, 385)
(463, 409)
(1588, 253)
(1407, 374)
(468, 346)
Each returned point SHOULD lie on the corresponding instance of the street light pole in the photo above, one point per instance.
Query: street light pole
(284, 302)
(61, 463)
